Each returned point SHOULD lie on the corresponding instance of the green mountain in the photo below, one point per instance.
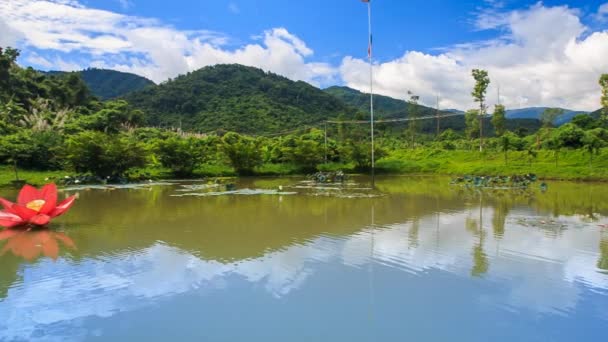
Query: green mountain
(236, 98)
(109, 84)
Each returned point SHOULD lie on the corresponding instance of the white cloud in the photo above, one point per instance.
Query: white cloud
(9, 36)
(38, 60)
(536, 63)
(149, 48)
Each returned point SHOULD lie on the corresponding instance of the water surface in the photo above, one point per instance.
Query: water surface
(281, 260)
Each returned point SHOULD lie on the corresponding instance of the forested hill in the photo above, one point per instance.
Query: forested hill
(237, 98)
(384, 106)
(109, 84)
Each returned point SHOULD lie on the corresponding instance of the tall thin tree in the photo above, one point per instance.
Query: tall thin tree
(482, 81)
(604, 99)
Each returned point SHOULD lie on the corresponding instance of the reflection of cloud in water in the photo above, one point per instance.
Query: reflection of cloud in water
(536, 271)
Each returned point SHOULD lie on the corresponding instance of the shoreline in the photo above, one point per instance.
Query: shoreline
(38, 178)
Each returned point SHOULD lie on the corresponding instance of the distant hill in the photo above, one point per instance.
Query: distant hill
(389, 108)
(536, 113)
(109, 84)
(237, 98)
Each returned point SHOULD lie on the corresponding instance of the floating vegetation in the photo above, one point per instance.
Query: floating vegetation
(198, 187)
(242, 192)
(116, 186)
(498, 182)
(328, 177)
(547, 224)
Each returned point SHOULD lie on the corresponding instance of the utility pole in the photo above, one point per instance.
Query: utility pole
(371, 83)
(437, 116)
(325, 142)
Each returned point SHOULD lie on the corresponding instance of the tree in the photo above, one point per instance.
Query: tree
(499, 121)
(113, 117)
(472, 128)
(555, 144)
(105, 155)
(358, 153)
(505, 144)
(243, 152)
(482, 81)
(413, 114)
(584, 121)
(604, 98)
(14, 149)
(592, 144)
(549, 116)
(181, 155)
(8, 56)
(306, 151)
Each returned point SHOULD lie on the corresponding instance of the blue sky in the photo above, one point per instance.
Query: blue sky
(536, 51)
(337, 28)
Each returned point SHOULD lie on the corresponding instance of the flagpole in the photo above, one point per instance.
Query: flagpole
(371, 82)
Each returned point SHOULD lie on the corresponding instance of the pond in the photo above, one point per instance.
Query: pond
(284, 260)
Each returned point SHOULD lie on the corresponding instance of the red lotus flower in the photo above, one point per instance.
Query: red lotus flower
(33, 207)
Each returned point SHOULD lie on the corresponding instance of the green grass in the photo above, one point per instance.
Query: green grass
(572, 165)
(214, 170)
(31, 177)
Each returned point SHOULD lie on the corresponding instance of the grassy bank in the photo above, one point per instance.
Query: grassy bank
(571, 165)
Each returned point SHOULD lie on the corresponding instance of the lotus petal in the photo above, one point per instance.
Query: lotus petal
(49, 195)
(40, 219)
(8, 219)
(27, 194)
(6, 204)
(24, 212)
(63, 207)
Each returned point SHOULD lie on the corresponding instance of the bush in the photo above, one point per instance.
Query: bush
(105, 155)
(243, 152)
(180, 155)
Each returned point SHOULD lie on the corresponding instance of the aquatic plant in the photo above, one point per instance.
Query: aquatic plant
(34, 207)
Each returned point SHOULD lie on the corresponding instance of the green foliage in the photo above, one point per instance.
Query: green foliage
(584, 121)
(471, 118)
(307, 150)
(499, 121)
(414, 113)
(604, 98)
(236, 98)
(180, 155)
(244, 153)
(359, 153)
(24, 86)
(482, 81)
(449, 135)
(571, 136)
(113, 117)
(105, 155)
